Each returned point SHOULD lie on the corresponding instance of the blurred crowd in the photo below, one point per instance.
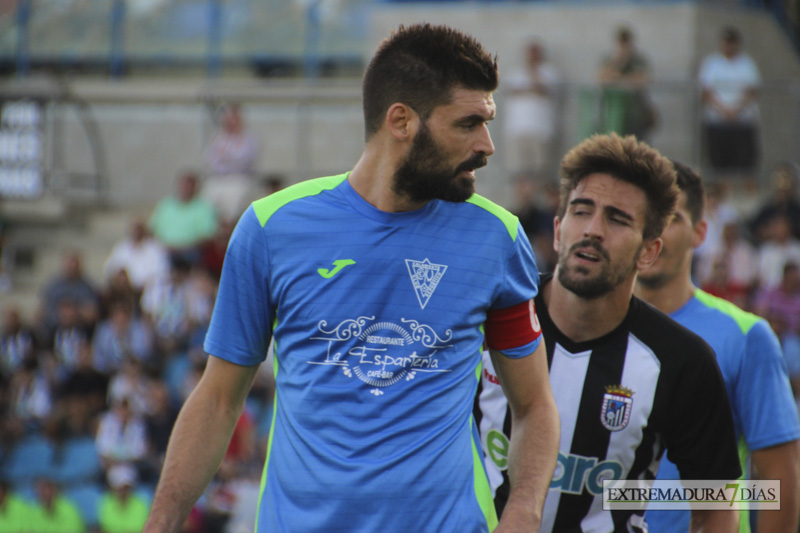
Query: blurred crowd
(91, 384)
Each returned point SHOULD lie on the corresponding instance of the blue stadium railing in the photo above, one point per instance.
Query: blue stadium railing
(270, 37)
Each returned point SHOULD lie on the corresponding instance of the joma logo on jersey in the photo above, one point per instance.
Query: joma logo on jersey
(574, 472)
(616, 410)
(425, 276)
(337, 266)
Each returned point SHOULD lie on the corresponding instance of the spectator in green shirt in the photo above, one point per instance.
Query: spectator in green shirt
(52, 512)
(120, 509)
(14, 511)
(184, 221)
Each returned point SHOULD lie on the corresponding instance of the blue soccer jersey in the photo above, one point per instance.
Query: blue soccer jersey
(750, 359)
(376, 319)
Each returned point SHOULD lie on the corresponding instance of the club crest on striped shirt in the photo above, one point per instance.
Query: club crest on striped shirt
(425, 276)
(616, 411)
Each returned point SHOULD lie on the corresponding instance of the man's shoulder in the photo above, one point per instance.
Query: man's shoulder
(662, 334)
(717, 313)
(268, 205)
(493, 210)
(713, 60)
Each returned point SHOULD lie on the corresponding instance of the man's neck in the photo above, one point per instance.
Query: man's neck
(373, 179)
(583, 319)
(669, 297)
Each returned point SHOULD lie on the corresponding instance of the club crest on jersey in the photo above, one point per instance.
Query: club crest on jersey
(425, 276)
(616, 411)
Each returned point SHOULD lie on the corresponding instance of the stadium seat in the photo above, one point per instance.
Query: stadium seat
(86, 498)
(78, 462)
(175, 372)
(31, 458)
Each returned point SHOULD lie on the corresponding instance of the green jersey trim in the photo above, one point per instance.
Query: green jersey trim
(271, 433)
(743, 319)
(744, 514)
(482, 490)
(510, 221)
(267, 206)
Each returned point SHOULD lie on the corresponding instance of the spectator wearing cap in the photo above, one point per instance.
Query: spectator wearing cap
(121, 510)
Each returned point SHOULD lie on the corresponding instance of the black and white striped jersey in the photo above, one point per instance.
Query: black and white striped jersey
(623, 398)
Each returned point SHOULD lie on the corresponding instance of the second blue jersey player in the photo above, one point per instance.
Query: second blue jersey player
(749, 356)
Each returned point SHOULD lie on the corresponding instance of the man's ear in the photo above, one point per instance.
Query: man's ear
(556, 233)
(649, 253)
(699, 233)
(402, 121)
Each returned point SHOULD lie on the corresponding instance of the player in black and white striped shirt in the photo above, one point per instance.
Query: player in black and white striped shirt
(628, 381)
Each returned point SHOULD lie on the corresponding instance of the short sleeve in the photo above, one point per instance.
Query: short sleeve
(753, 77)
(763, 387)
(241, 325)
(520, 284)
(705, 73)
(700, 437)
(521, 278)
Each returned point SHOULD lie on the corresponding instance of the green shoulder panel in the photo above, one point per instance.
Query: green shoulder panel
(510, 221)
(743, 319)
(267, 206)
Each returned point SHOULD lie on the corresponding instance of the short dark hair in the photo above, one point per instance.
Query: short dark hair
(691, 184)
(624, 34)
(629, 160)
(420, 65)
(731, 35)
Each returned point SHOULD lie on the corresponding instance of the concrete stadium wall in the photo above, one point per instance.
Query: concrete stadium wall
(674, 37)
(152, 128)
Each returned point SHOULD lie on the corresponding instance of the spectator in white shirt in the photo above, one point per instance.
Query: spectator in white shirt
(530, 116)
(121, 436)
(230, 159)
(780, 248)
(140, 255)
(729, 80)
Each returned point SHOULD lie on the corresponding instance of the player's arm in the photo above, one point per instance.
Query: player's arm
(714, 521)
(533, 448)
(780, 462)
(199, 441)
(763, 387)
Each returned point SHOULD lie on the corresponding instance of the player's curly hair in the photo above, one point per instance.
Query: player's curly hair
(629, 160)
(420, 65)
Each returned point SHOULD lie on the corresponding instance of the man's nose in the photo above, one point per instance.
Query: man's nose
(484, 144)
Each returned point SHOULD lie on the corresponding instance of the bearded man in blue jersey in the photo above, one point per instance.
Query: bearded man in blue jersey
(749, 356)
(379, 288)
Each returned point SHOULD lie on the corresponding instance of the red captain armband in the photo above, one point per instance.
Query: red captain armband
(512, 327)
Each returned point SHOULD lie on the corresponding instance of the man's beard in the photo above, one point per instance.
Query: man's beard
(423, 176)
(654, 281)
(609, 277)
